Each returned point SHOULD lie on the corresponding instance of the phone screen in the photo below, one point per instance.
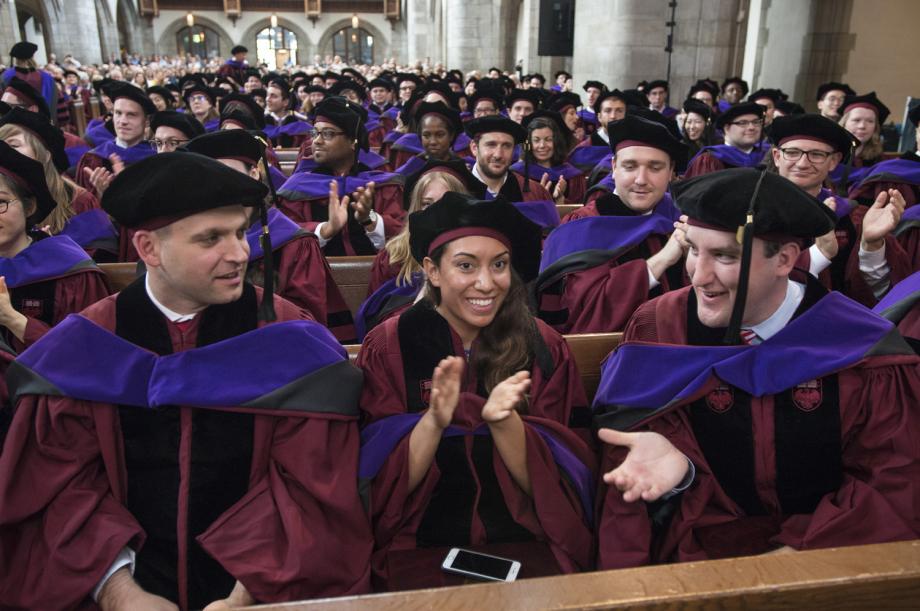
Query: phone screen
(482, 565)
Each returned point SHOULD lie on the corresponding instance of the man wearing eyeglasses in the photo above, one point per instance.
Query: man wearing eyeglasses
(352, 210)
(172, 129)
(742, 126)
(830, 99)
(806, 149)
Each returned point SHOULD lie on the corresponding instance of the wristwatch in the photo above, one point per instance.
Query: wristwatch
(371, 220)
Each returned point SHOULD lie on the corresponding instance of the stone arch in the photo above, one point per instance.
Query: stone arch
(34, 9)
(381, 49)
(127, 23)
(305, 46)
(166, 45)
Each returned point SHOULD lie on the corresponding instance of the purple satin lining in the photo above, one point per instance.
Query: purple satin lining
(280, 227)
(90, 226)
(49, 258)
(371, 306)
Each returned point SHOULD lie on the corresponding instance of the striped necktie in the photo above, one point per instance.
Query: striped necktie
(749, 337)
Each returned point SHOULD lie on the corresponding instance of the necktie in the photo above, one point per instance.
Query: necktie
(749, 337)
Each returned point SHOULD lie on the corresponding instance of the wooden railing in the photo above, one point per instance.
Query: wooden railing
(884, 576)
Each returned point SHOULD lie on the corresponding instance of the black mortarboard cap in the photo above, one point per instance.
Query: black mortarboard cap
(654, 116)
(914, 115)
(657, 83)
(102, 85)
(833, 86)
(443, 89)
(774, 95)
(495, 123)
(183, 121)
(246, 104)
(738, 110)
(528, 95)
(235, 116)
(355, 76)
(595, 84)
(212, 93)
(236, 144)
(23, 50)
(163, 92)
(608, 94)
(812, 127)
(26, 92)
(701, 108)
(736, 79)
(382, 82)
(456, 212)
(30, 175)
(339, 86)
(238, 49)
(164, 188)
(441, 109)
(348, 116)
(550, 115)
(135, 94)
(563, 100)
(869, 100)
(39, 125)
(787, 108)
(633, 130)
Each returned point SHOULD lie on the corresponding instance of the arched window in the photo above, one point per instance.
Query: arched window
(276, 47)
(355, 46)
(198, 40)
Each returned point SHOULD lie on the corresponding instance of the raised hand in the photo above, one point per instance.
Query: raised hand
(364, 201)
(239, 597)
(117, 164)
(445, 390)
(338, 213)
(882, 218)
(505, 397)
(99, 177)
(827, 243)
(652, 467)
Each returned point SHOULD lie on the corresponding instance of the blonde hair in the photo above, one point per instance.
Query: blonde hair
(872, 148)
(398, 247)
(62, 189)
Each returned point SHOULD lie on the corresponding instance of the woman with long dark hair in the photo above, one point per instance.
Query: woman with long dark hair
(545, 157)
(468, 400)
(696, 126)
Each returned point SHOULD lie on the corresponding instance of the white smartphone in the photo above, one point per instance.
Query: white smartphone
(480, 566)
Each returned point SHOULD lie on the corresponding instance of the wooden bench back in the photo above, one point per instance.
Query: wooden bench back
(352, 275)
(883, 576)
(119, 275)
(589, 351)
(564, 209)
(78, 116)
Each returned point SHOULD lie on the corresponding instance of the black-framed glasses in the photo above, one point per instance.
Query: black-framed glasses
(168, 143)
(5, 204)
(748, 123)
(814, 156)
(327, 134)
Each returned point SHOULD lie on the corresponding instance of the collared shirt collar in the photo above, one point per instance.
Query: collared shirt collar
(173, 316)
(795, 292)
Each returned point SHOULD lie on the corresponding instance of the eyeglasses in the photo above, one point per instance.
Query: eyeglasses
(814, 156)
(327, 134)
(407, 88)
(746, 124)
(198, 98)
(5, 204)
(172, 144)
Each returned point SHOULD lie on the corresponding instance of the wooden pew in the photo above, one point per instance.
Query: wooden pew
(119, 275)
(589, 350)
(883, 576)
(352, 275)
(564, 209)
(78, 116)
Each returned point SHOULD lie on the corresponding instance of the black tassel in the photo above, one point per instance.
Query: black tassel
(526, 152)
(267, 307)
(745, 237)
(841, 187)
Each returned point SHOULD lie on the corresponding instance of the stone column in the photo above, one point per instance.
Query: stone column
(108, 31)
(73, 28)
(622, 42)
(9, 27)
(421, 33)
(473, 34)
(779, 44)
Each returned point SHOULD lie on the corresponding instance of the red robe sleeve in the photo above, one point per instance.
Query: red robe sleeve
(388, 204)
(89, 161)
(381, 271)
(589, 209)
(299, 212)
(83, 201)
(704, 163)
(575, 190)
(72, 294)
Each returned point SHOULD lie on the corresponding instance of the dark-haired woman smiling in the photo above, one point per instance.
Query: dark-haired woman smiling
(468, 401)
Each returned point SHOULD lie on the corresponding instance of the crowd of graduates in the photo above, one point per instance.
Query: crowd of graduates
(200, 438)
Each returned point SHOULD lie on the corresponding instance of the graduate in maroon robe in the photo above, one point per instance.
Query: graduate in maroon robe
(597, 270)
(44, 278)
(806, 149)
(744, 147)
(364, 208)
(150, 458)
(795, 406)
(301, 273)
(468, 403)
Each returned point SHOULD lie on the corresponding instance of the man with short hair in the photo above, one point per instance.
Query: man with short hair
(742, 126)
(190, 480)
(381, 94)
(492, 142)
(236, 67)
(830, 98)
(407, 84)
(657, 92)
(795, 406)
(278, 114)
(768, 98)
(521, 103)
(619, 252)
(486, 102)
(351, 209)
(733, 91)
(587, 114)
(131, 113)
(172, 129)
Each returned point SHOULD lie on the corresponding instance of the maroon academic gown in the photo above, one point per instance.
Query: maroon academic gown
(83, 201)
(547, 533)
(601, 299)
(877, 496)
(298, 532)
(704, 163)
(381, 271)
(304, 278)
